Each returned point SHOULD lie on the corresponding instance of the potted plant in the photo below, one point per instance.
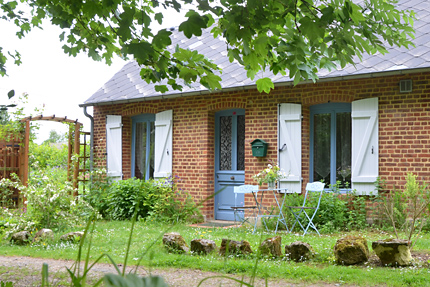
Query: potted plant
(270, 175)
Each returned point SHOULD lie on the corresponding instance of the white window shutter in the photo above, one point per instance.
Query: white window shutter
(114, 146)
(364, 159)
(290, 146)
(163, 144)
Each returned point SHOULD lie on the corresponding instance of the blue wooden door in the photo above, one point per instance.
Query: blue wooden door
(229, 160)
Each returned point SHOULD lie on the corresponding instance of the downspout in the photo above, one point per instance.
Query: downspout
(91, 139)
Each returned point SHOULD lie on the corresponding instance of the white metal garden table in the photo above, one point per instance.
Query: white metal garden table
(261, 209)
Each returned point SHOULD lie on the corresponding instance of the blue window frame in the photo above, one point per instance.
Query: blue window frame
(142, 146)
(330, 144)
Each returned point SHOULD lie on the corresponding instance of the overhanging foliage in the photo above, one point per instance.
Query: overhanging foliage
(292, 37)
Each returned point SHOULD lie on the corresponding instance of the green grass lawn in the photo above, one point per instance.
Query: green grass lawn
(112, 237)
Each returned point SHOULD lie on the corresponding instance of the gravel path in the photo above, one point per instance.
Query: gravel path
(25, 272)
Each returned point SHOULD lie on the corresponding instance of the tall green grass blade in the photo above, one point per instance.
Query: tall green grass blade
(133, 222)
(225, 277)
(45, 276)
(132, 280)
(75, 279)
(97, 261)
(254, 270)
(87, 258)
(77, 265)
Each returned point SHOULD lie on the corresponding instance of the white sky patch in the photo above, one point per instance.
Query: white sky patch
(54, 80)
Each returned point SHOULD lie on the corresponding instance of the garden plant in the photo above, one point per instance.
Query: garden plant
(125, 221)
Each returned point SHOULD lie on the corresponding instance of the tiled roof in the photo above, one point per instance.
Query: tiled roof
(127, 86)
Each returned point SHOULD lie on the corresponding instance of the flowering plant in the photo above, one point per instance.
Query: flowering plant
(270, 174)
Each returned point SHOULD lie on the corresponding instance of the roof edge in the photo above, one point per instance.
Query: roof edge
(253, 86)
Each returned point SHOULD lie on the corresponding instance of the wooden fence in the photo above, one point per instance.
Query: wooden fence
(11, 161)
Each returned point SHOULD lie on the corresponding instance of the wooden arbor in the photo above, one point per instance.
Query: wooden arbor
(73, 145)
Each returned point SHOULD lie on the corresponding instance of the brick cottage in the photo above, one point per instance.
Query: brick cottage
(353, 125)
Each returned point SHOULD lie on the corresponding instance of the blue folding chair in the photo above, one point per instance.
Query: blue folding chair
(298, 211)
(239, 210)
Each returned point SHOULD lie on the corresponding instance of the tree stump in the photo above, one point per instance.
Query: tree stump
(271, 247)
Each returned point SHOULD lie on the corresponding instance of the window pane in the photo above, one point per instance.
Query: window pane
(240, 142)
(225, 143)
(140, 150)
(343, 148)
(322, 147)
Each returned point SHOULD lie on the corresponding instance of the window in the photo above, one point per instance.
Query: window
(330, 153)
(143, 148)
(151, 145)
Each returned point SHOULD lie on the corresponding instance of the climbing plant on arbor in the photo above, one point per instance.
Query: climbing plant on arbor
(291, 37)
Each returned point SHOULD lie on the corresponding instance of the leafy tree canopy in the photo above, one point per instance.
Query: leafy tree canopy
(291, 37)
(55, 137)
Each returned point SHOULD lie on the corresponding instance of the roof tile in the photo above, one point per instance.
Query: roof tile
(126, 84)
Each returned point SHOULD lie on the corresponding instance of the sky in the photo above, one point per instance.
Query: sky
(52, 79)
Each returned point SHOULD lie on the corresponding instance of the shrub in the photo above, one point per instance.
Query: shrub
(125, 196)
(160, 200)
(49, 204)
(336, 212)
(48, 156)
(174, 205)
(406, 209)
(356, 212)
(98, 190)
(6, 193)
(333, 210)
(14, 220)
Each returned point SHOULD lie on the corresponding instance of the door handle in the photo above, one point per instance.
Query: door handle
(232, 178)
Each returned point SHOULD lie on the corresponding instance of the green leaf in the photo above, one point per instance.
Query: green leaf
(260, 45)
(264, 84)
(311, 29)
(162, 39)
(161, 88)
(193, 25)
(253, 60)
(62, 36)
(234, 54)
(246, 48)
(297, 78)
(11, 94)
(141, 51)
(159, 18)
(188, 74)
(211, 81)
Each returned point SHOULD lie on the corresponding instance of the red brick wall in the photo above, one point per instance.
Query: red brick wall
(404, 122)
